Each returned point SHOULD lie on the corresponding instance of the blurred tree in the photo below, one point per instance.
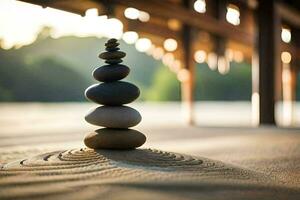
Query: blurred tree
(45, 79)
(235, 85)
(165, 86)
(210, 85)
(56, 81)
(37, 73)
(81, 54)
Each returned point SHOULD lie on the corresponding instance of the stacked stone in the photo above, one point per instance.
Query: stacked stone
(113, 94)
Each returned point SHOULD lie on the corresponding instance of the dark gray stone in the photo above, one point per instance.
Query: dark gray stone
(112, 55)
(112, 45)
(109, 73)
(112, 40)
(112, 49)
(113, 61)
(113, 93)
(114, 139)
(114, 116)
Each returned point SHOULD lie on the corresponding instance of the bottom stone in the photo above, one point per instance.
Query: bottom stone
(107, 138)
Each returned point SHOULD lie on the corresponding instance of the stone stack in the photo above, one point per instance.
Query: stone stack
(113, 94)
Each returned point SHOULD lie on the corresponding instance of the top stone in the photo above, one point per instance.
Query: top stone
(112, 55)
(112, 43)
(112, 40)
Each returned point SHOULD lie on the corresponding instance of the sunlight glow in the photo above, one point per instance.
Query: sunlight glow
(286, 57)
(144, 16)
(114, 28)
(92, 12)
(131, 13)
(223, 65)
(176, 66)
(158, 53)
(22, 22)
(233, 14)
(229, 54)
(212, 60)
(130, 37)
(287, 95)
(255, 108)
(238, 56)
(150, 51)
(143, 44)
(200, 56)
(174, 24)
(200, 6)
(170, 44)
(168, 59)
(183, 75)
(286, 35)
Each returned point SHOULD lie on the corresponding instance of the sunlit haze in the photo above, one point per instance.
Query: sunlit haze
(21, 22)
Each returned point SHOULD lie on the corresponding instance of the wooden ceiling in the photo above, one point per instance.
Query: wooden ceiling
(211, 23)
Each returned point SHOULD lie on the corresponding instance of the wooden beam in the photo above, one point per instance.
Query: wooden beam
(255, 112)
(268, 25)
(220, 14)
(74, 6)
(294, 76)
(289, 79)
(153, 29)
(189, 17)
(288, 14)
(188, 86)
(165, 10)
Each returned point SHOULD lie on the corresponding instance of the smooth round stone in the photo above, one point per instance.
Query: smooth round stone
(114, 139)
(109, 73)
(113, 116)
(112, 49)
(112, 93)
(113, 61)
(112, 55)
(112, 40)
(112, 45)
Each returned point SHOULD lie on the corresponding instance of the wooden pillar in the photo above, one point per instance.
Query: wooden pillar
(294, 75)
(255, 74)
(220, 9)
(255, 88)
(187, 86)
(289, 78)
(268, 30)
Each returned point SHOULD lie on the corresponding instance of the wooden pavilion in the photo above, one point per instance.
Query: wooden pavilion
(256, 35)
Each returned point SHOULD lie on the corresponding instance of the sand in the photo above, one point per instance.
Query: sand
(210, 163)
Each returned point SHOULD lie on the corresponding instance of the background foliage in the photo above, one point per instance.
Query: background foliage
(60, 70)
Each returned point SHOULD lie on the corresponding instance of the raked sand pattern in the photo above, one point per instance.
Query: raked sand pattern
(132, 174)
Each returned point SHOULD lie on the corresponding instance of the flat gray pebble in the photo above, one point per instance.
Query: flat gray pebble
(113, 116)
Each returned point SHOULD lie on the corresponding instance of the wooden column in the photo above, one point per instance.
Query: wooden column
(289, 79)
(255, 75)
(255, 88)
(294, 74)
(220, 9)
(187, 86)
(268, 28)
